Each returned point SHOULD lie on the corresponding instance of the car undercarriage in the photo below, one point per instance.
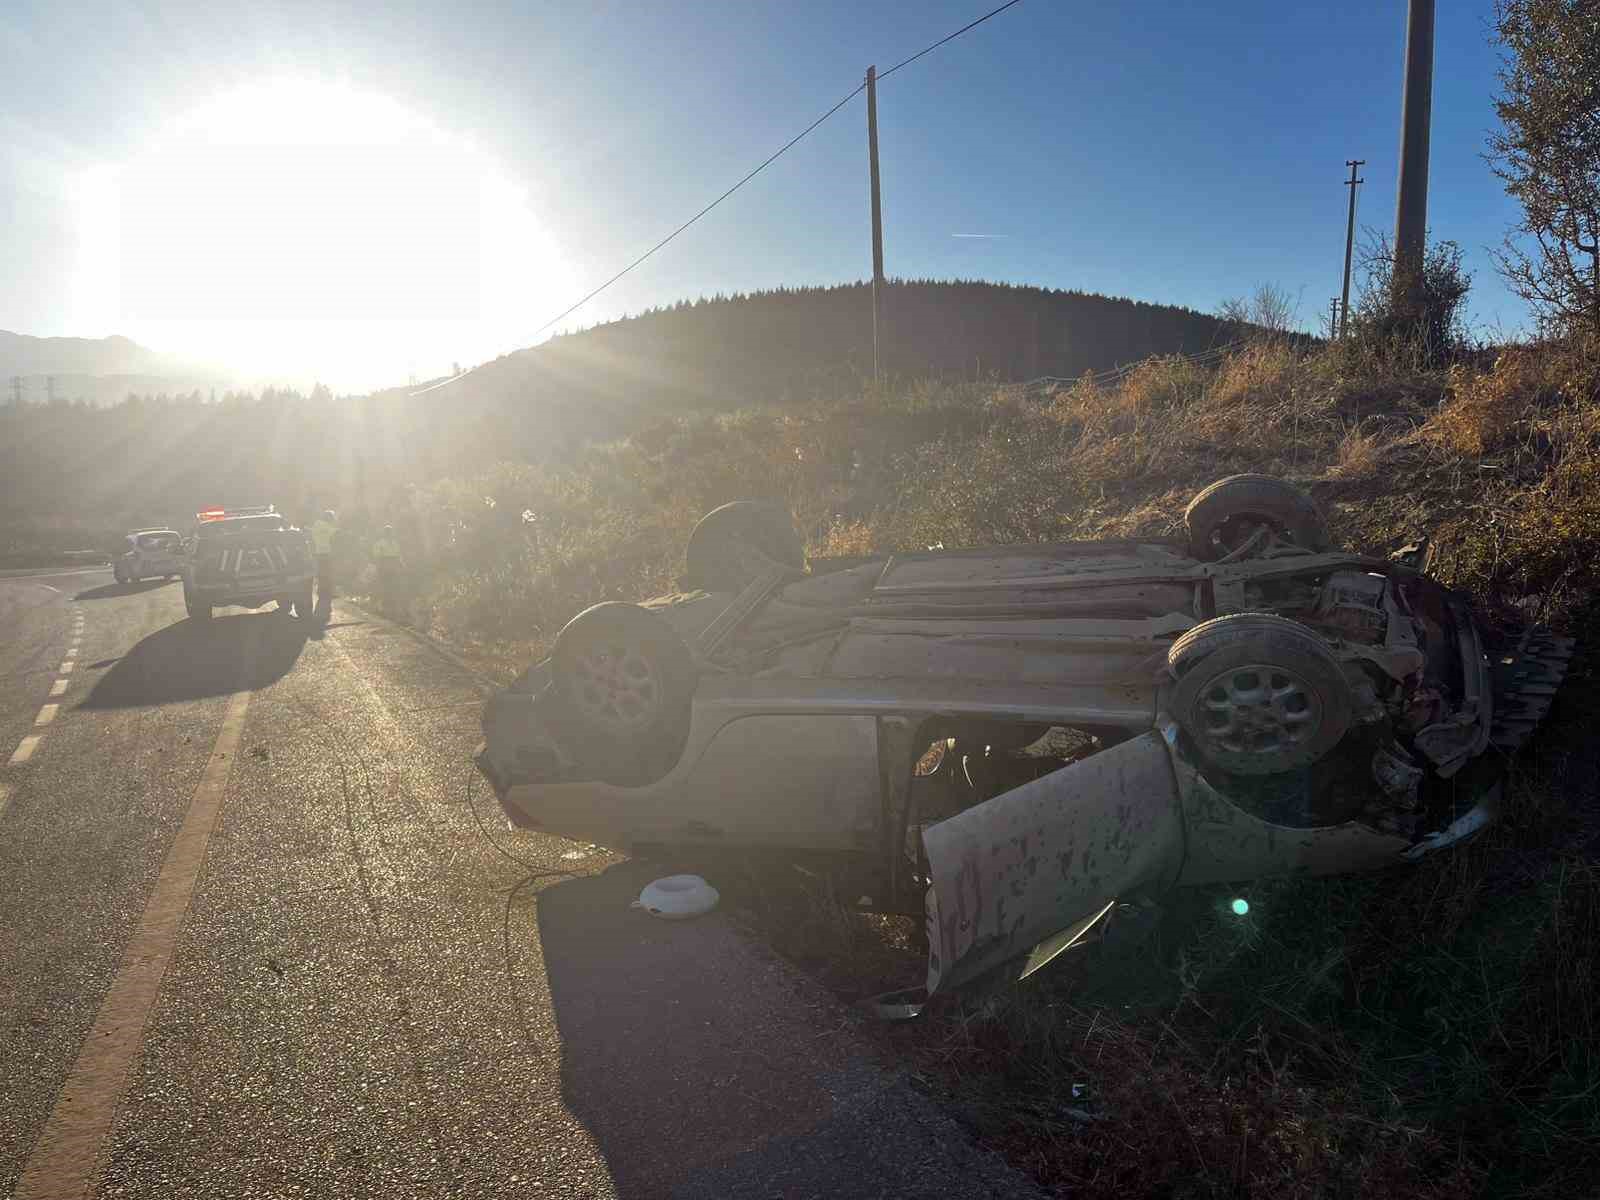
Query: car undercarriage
(1013, 739)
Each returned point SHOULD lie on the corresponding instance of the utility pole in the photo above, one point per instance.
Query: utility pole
(1333, 319)
(877, 217)
(1411, 206)
(1349, 240)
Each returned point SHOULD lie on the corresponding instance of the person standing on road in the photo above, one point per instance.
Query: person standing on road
(386, 554)
(323, 531)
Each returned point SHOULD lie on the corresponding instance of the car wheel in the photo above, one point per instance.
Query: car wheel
(1224, 517)
(1258, 694)
(118, 575)
(624, 679)
(731, 545)
(200, 612)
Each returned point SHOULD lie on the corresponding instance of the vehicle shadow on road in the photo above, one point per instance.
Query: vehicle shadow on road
(107, 590)
(195, 659)
(680, 1054)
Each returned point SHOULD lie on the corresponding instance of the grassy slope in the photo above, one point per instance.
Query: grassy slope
(1431, 1031)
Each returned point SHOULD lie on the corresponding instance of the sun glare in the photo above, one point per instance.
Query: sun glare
(307, 230)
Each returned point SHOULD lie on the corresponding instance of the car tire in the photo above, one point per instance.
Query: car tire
(1223, 516)
(133, 577)
(623, 680)
(198, 612)
(1258, 694)
(731, 545)
(119, 575)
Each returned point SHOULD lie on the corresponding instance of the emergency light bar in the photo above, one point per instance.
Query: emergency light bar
(218, 513)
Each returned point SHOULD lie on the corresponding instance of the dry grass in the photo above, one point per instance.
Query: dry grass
(1357, 455)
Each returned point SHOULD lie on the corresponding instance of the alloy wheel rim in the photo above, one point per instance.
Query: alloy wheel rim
(1256, 708)
(617, 686)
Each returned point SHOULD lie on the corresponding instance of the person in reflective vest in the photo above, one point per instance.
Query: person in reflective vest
(323, 530)
(386, 554)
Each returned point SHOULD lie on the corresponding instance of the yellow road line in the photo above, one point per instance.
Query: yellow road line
(59, 687)
(25, 749)
(68, 1158)
(47, 714)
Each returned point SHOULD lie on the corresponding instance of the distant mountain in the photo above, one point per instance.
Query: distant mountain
(795, 343)
(98, 370)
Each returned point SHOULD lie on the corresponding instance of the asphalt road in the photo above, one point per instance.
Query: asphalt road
(253, 943)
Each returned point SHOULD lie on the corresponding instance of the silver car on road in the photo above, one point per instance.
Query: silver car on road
(149, 554)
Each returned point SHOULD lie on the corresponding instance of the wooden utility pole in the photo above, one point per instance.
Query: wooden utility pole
(1349, 240)
(1416, 114)
(877, 217)
(1333, 319)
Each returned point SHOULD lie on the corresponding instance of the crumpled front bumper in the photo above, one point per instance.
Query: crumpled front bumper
(517, 748)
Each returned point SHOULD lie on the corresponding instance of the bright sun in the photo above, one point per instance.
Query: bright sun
(298, 229)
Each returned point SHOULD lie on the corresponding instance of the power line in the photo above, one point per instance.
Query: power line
(787, 146)
(951, 38)
(859, 89)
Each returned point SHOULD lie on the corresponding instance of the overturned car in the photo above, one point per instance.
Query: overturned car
(1015, 739)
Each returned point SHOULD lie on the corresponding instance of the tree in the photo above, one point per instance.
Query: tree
(1548, 154)
(1269, 311)
(1427, 318)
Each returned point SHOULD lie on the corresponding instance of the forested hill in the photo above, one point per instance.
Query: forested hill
(925, 327)
(796, 343)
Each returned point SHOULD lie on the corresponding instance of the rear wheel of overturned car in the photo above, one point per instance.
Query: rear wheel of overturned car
(1258, 694)
(624, 679)
(731, 545)
(1223, 518)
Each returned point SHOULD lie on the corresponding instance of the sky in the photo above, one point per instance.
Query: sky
(363, 193)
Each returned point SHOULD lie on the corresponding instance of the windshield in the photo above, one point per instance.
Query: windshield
(158, 541)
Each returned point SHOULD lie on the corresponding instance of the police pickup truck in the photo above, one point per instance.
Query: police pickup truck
(247, 557)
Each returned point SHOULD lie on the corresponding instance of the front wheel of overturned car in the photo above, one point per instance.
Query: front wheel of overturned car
(1233, 513)
(1258, 694)
(730, 545)
(624, 679)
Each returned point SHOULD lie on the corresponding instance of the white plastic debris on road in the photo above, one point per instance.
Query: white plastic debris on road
(678, 897)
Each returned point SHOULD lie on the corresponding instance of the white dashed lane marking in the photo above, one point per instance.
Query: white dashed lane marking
(47, 713)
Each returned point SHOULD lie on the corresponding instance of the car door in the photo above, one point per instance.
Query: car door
(1030, 871)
